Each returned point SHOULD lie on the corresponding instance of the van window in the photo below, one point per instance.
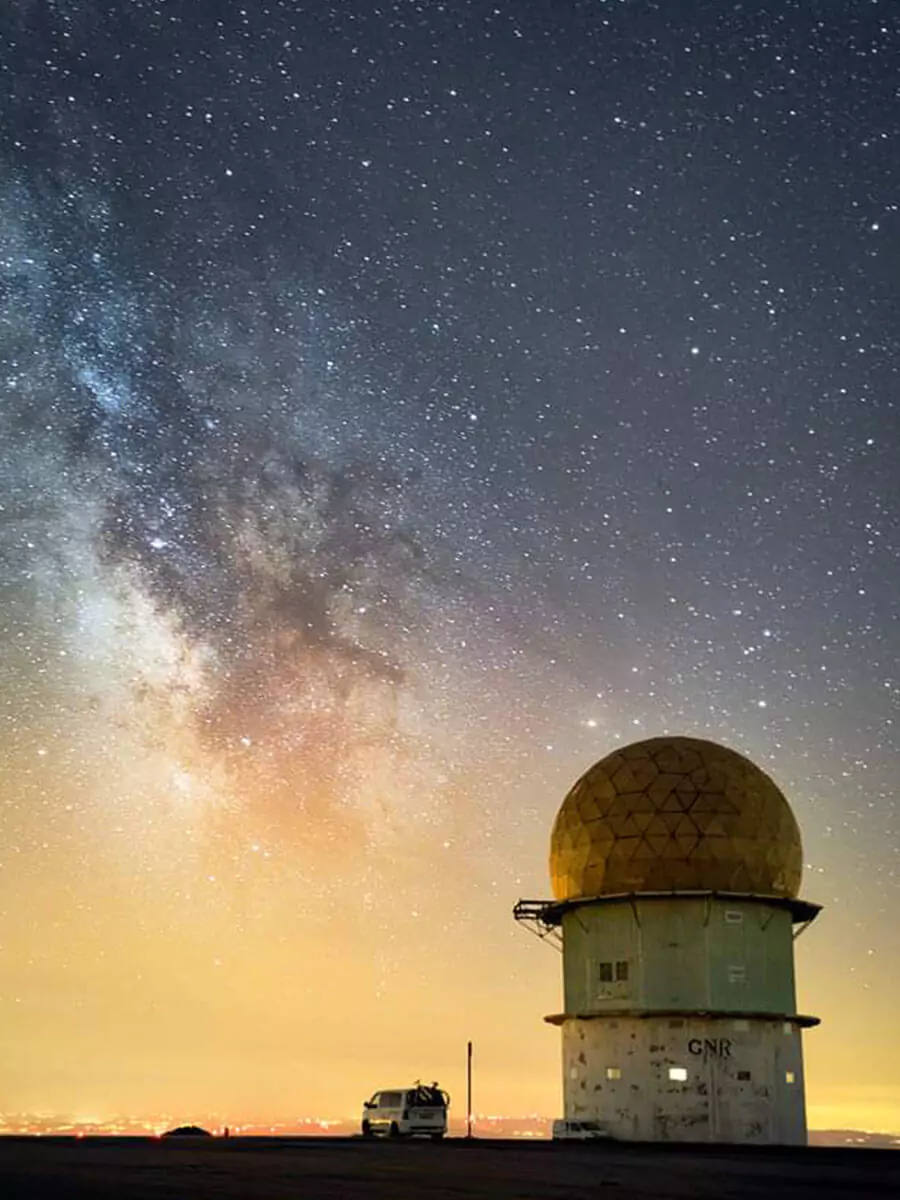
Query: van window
(390, 1100)
(428, 1097)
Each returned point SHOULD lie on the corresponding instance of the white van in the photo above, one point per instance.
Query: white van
(578, 1131)
(407, 1112)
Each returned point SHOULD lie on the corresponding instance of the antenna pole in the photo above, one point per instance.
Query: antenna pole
(469, 1090)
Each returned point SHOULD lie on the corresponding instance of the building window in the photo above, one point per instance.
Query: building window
(606, 972)
(740, 1025)
(790, 1077)
(787, 1028)
(679, 1074)
(613, 1072)
(621, 972)
(676, 1024)
(733, 917)
(573, 1072)
(743, 1075)
(737, 974)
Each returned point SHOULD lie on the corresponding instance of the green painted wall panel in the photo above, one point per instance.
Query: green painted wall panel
(689, 953)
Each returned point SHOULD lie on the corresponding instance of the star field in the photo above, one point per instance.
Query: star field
(403, 405)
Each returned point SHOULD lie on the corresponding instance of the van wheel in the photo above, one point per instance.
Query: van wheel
(366, 1129)
(393, 1132)
(437, 1137)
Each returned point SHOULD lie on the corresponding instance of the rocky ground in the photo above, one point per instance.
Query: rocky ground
(325, 1169)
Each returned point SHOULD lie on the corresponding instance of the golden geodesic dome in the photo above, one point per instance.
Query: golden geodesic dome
(675, 814)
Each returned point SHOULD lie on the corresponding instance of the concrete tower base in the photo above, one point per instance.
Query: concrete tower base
(686, 1077)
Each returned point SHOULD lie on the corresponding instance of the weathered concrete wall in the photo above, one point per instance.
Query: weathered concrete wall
(744, 1078)
(724, 955)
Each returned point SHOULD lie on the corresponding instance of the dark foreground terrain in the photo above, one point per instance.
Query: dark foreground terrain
(310, 1169)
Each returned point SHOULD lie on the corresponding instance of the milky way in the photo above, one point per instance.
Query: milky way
(401, 407)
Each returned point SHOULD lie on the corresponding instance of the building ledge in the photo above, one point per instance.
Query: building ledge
(551, 912)
(799, 1019)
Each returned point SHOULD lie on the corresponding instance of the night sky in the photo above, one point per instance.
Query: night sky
(404, 404)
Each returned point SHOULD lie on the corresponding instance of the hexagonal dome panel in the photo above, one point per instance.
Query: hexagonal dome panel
(675, 814)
